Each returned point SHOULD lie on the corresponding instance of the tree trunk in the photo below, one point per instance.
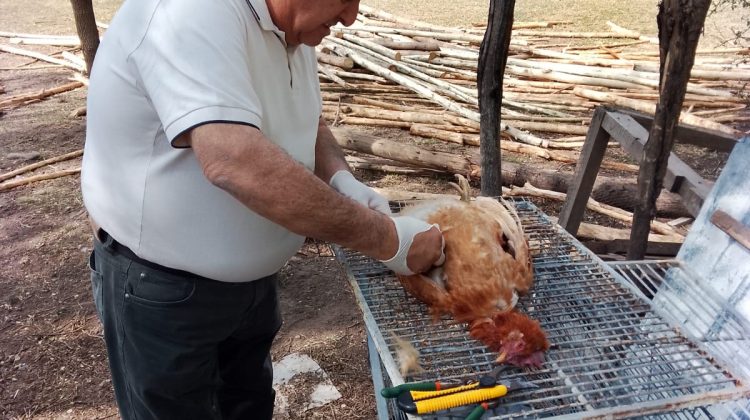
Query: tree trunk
(493, 54)
(413, 155)
(680, 25)
(624, 195)
(606, 190)
(83, 11)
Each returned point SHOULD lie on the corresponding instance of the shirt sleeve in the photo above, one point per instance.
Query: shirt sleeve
(193, 66)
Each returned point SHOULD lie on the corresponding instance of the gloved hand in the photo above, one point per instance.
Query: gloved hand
(345, 183)
(406, 229)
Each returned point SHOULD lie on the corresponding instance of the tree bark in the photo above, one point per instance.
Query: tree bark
(680, 24)
(83, 11)
(388, 149)
(493, 54)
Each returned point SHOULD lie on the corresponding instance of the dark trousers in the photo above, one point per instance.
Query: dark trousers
(182, 346)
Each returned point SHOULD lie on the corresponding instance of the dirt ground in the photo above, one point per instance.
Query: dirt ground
(52, 357)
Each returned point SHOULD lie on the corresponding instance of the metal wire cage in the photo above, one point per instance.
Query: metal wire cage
(626, 340)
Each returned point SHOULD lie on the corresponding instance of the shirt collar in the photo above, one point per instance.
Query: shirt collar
(259, 9)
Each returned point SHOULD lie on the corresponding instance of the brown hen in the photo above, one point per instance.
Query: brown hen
(487, 264)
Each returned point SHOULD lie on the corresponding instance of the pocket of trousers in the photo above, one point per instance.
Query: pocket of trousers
(96, 286)
(155, 288)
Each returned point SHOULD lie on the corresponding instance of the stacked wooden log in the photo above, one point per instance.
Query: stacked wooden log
(390, 71)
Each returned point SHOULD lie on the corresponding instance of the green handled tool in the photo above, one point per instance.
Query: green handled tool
(395, 391)
(477, 413)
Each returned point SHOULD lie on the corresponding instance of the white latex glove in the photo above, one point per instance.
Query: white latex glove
(406, 229)
(345, 183)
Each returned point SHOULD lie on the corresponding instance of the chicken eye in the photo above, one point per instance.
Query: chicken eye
(505, 245)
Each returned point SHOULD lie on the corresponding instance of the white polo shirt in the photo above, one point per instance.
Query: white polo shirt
(165, 66)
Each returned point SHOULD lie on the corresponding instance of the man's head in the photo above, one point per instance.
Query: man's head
(309, 21)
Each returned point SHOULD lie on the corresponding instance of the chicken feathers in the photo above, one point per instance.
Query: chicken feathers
(487, 264)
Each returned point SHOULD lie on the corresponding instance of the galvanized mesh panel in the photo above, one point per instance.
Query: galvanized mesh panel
(696, 308)
(611, 351)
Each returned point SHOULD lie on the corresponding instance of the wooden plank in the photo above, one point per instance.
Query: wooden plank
(679, 178)
(682, 179)
(587, 168)
(686, 134)
(682, 221)
(620, 246)
(732, 227)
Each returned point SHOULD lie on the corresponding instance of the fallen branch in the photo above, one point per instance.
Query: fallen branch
(385, 16)
(29, 168)
(17, 183)
(23, 99)
(560, 34)
(402, 195)
(527, 149)
(407, 45)
(375, 122)
(604, 233)
(607, 210)
(327, 72)
(448, 162)
(39, 56)
(78, 112)
(388, 166)
(650, 108)
(6, 34)
(632, 34)
(334, 60)
(58, 42)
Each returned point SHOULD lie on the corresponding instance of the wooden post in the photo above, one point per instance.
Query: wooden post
(732, 227)
(591, 158)
(83, 11)
(680, 24)
(493, 54)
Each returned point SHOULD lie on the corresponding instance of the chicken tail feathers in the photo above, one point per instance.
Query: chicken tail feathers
(408, 357)
(463, 188)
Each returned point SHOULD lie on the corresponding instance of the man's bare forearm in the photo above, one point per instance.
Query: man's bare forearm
(329, 158)
(241, 161)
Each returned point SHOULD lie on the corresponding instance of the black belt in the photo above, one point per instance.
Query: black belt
(117, 248)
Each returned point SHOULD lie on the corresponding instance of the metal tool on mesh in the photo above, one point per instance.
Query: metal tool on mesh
(429, 397)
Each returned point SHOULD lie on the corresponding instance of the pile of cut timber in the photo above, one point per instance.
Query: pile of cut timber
(390, 71)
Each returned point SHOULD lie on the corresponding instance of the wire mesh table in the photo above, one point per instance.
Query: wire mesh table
(615, 350)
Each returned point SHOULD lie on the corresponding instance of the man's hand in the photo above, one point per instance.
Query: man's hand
(420, 246)
(345, 183)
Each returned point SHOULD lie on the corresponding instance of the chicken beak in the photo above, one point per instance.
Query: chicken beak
(501, 358)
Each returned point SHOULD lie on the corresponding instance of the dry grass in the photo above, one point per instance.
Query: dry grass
(585, 15)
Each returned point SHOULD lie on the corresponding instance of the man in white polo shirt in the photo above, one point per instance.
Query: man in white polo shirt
(206, 165)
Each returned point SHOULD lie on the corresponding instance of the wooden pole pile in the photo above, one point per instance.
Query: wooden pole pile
(423, 78)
